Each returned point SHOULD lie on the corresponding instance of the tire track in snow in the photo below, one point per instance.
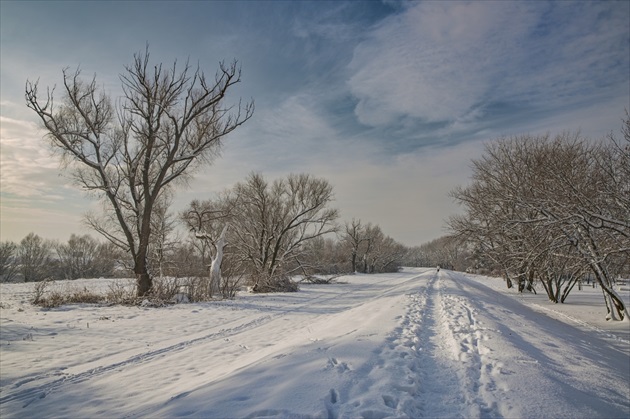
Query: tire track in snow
(33, 393)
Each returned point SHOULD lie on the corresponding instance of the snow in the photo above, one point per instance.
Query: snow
(412, 344)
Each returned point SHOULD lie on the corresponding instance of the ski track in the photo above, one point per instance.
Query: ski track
(32, 394)
(35, 391)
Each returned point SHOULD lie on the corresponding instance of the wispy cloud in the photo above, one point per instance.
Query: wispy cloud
(455, 62)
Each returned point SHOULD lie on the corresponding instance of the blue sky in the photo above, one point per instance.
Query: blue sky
(387, 100)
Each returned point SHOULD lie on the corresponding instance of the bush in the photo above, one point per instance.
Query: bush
(282, 283)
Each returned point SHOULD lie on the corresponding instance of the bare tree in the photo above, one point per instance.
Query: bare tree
(354, 236)
(273, 221)
(372, 235)
(387, 255)
(324, 255)
(34, 257)
(80, 258)
(269, 224)
(167, 123)
(8, 261)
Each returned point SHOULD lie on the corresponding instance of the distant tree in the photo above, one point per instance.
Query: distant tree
(324, 255)
(84, 257)
(34, 258)
(371, 234)
(368, 245)
(354, 236)
(164, 238)
(445, 251)
(130, 154)
(387, 255)
(8, 261)
(76, 257)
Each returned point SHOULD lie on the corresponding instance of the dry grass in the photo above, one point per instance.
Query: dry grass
(165, 291)
(55, 298)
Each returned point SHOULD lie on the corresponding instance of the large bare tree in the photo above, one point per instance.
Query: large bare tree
(130, 153)
(270, 223)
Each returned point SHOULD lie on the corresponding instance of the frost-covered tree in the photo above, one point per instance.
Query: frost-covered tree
(550, 209)
(168, 122)
(209, 223)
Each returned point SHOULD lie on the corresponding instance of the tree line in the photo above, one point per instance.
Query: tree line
(266, 232)
(36, 259)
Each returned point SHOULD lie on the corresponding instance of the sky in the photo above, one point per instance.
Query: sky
(389, 101)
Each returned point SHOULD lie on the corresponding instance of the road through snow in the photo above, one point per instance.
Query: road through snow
(419, 343)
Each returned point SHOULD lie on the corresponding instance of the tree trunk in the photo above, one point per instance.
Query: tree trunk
(614, 304)
(215, 267)
(508, 281)
(547, 284)
(144, 281)
(530, 282)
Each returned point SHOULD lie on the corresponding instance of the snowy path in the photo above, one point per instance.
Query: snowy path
(414, 344)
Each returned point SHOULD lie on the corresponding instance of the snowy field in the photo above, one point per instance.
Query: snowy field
(413, 344)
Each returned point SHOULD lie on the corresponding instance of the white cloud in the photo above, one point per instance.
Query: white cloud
(27, 167)
(445, 61)
(434, 62)
(406, 194)
(278, 140)
(35, 197)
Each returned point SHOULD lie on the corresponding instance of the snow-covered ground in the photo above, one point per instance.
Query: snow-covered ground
(414, 344)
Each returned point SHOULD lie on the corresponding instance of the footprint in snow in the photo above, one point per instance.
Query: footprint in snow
(339, 366)
(390, 401)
